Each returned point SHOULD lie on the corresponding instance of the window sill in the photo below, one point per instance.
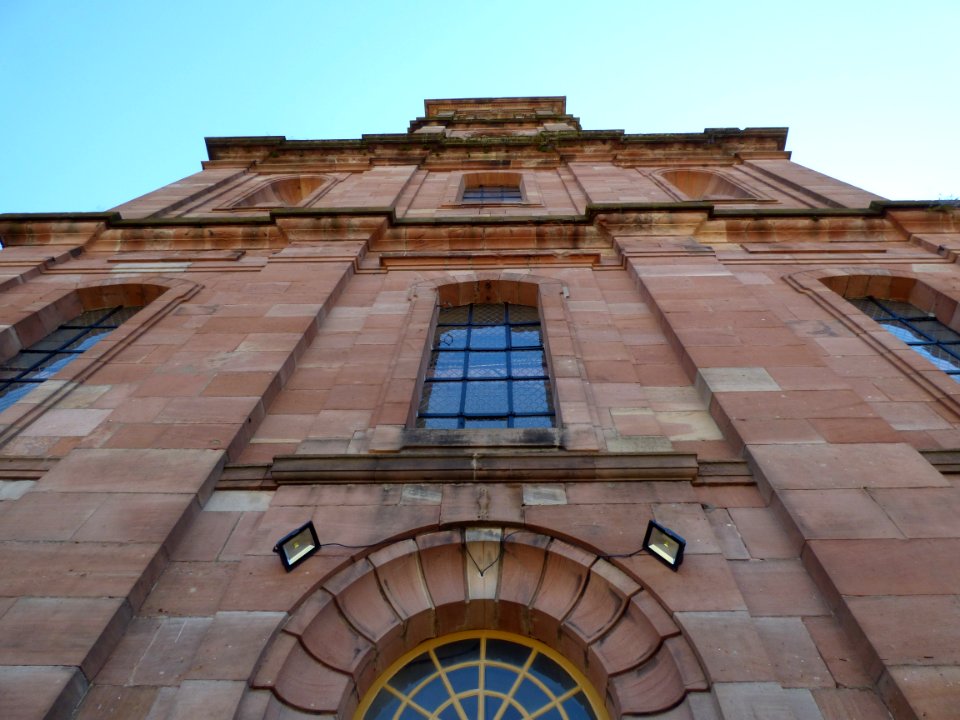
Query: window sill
(480, 437)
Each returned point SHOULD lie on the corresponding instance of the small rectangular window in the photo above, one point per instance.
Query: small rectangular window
(487, 194)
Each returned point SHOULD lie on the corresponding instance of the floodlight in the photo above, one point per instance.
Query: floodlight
(664, 544)
(297, 546)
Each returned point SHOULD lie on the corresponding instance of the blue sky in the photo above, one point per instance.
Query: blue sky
(104, 101)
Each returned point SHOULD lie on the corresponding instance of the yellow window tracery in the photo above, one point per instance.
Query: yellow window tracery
(482, 676)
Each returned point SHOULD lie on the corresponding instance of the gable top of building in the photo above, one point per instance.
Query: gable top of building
(517, 114)
(515, 124)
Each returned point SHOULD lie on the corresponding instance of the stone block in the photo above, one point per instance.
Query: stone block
(138, 518)
(766, 700)
(117, 702)
(850, 704)
(728, 646)
(795, 658)
(911, 630)
(330, 637)
(62, 631)
(704, 583)
(733, 379)
(190, 589)
(846, 514)
(403, 584)
(155, 651)
(474, 502)
(922, 512)
(931, 692)
(47, 516)
(630, 642)
(209, 699)
(28, 692)
(358, 595)
(142, 471)
(726, 533)
(830, 467)
(521, 566)
(564, 576)
(232, 645)
(205, 537)
(239, 501)
(544, 495)
(837, 651)
(778, 588)
(260, 583)
(651, 687)
(620, 532)
(598, 608)
(307, 685)
(763, 534)
(890, 567)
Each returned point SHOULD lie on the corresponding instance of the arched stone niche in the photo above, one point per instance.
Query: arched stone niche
(362, 618)
(705, 185)
(290, 191)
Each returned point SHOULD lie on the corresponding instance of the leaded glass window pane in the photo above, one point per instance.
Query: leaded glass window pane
(495, 679)
(45, 358)
(492, 194)
(922, 332)
(487, 369)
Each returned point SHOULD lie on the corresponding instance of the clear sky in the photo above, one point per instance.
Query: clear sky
(103, 101)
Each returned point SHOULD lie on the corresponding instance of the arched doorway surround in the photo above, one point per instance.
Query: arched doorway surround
(363, 618)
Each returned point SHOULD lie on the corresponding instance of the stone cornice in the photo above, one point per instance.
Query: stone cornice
(711, 143)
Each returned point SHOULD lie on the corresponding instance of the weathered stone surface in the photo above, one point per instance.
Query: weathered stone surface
(28, 692)
(830, 467)
(145, 471)
(729, 646)
(62, 631)
(778, 587)
(232, 644)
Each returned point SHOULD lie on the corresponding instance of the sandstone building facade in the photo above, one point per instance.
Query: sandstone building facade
(480, 355)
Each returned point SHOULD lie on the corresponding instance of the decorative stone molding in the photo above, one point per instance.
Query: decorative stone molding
(461, 288)
(364, 617)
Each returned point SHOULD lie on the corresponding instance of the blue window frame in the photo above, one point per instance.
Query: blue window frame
(42, 360)
(487, 369)
(923, 333)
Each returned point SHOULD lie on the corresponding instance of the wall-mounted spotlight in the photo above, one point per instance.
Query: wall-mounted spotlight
(664, 544)
(297, 546)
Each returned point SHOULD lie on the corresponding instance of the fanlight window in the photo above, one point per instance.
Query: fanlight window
(700, 185)
(42, 360)
(491, 676)
(925, 335)
(487, 369)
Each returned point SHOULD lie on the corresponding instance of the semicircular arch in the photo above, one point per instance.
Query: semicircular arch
(363, 618)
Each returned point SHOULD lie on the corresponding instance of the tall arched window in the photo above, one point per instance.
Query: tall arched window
(922, 332)
(487, 369)
(39, 362)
